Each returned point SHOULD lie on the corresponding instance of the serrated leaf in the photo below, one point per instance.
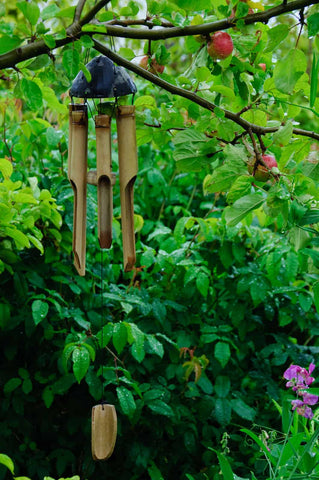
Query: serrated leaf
(284, 134)
(32, 94)
(222, 353)
(289, 70)
(275, 36)
(240, 188)
(81, 362)
(126, 400)
(71, 62)
(39, 311)
(240, 209)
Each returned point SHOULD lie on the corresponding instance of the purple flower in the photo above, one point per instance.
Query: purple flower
(302, 408)
(299, 378)
(309, 398)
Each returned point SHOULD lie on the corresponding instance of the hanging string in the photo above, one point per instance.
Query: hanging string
(102, 321)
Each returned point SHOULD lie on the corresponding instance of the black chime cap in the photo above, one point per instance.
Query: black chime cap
(107, 81)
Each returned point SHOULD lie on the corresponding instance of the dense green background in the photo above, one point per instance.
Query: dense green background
(192, 344)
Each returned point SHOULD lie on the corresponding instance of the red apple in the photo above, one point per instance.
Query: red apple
(220, 45)
(144, 62)
(262, 66)
(156, 67)
(270, 161)
(153, 66)
(261, 173)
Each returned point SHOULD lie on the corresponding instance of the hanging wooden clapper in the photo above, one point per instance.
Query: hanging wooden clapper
(107, 81)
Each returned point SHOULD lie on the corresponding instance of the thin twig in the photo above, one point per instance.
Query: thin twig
(257, 129)
(78, 10)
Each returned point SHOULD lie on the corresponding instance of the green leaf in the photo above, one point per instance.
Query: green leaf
(275, 36)
(127, 53)
(119, 336)
(161, 408)
(284, 134)
(6, 168)
(313, 24)
(224, 177)
(71, 62)
(8, 43)
(202, 283)
(222, 411)
(126, 400)
(49, 40)
(260, 444)
(222, 353)
(315, 289)
(39, 311)
(155, 346)
(240, 209)
(225, 467)
(49, 12)
(7, 462)
(32, 94)
(30, 10)
(11, 385)
(81, 362)
(222, 386)
(314, 79)
(240, 188)
(154, 472)
(242, 409)
(289, 70)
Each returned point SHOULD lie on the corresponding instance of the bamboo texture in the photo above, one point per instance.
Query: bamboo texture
(104, 431)
(78, 179)
(104, 179)
(127, 151)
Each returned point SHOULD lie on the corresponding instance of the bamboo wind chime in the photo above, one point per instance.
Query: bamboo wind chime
(107, 81)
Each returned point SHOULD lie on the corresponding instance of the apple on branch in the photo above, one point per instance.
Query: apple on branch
(262, 172)
(220, 45)
(153, 66)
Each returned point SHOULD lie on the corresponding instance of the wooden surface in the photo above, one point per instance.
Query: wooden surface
(78, 178)
(127, 150)
(104, 431)
(104, 179)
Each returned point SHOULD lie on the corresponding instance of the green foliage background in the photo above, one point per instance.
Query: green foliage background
(193, 343)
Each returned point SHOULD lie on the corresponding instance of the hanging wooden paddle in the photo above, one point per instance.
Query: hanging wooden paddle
(104, 430)
(78, 177)
(126, 133)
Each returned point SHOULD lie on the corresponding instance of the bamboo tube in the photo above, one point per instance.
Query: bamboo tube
(126, 131)
(104, 430)
(78, 179)
(104, 179)
(72, 108)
